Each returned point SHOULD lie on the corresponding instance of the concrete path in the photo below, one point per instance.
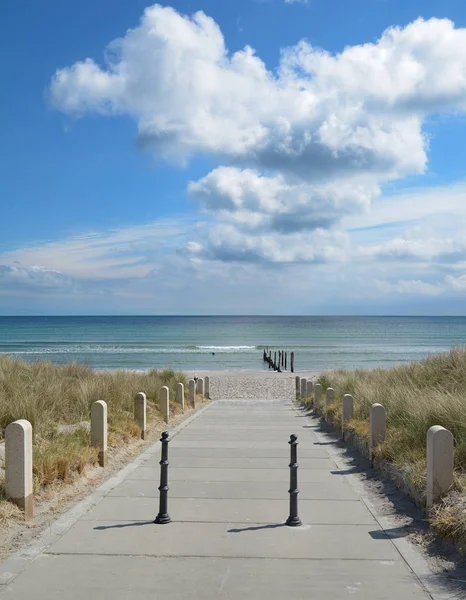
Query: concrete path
(228, 499)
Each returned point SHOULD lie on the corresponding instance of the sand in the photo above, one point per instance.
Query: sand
(261, 385)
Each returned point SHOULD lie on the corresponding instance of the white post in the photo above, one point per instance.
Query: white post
(99, 429)
(329, 396)
(346, 411)
(309, 388)
(298, 386)
(192, 393)
(440, 454)
(317, 396)
(165, 403)
(303, 389)
(207, 386)
(18, 465)
(180, 395)
(200, 386)
(140, 408)
(377, 427)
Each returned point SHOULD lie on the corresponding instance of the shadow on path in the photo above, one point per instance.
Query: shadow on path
(275, 526)
(123, 525)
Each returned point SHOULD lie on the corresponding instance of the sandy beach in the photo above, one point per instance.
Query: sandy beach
(243, 385)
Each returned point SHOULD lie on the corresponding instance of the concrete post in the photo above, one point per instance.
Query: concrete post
(165, 403)
(140, 409)
(18, 465)
(309, 388)
(200, 386)
(180, 395)
(298, 386)
(377, 426)
(346, 411)
(329, 396)
(303, 389)
(317, 396)
(440, 453)
(192, 393)
(207, 386)
(99, 429)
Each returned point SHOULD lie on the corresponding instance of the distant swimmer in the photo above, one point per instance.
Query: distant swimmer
(213, 353)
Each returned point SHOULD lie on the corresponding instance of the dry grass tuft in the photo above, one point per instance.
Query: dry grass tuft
(415, 396)
(57, 401)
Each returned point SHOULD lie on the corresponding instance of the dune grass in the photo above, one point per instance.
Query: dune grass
(57, 401)
(415, 396)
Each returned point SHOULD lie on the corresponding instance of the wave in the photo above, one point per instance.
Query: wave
(87, 349)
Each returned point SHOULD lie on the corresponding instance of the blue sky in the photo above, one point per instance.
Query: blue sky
(221, 153)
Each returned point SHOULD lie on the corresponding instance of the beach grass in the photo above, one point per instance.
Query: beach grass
(57, 401)
(416, 396)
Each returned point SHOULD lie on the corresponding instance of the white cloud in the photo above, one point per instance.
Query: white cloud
(115, 254)
(14, 278)
(305, 146)
(296, 1)
(228, 243)
(258, 202)
(413, 287)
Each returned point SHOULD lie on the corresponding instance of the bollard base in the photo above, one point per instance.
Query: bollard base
(293, 522)
(162, 519)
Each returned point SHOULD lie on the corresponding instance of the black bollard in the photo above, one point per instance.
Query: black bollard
(163, 517)
(293, 520)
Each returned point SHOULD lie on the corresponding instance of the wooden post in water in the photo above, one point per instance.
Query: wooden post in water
(285, 358)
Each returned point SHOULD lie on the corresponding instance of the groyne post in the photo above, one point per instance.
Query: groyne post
(99, 429)
(207, 386)
(440, 458)
(377, 427)
(165, 403)
(298, 386)
(292, 362)
(140, 409)
(18, 465)
(200, 386)
(192, 392)
(347, 409)
(180, 395)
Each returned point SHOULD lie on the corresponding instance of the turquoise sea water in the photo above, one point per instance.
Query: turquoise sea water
(196, 343)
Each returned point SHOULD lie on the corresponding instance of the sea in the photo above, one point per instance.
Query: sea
(228, 342)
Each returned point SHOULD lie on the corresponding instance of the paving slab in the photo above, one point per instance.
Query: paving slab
(241, 540)
(217, 444)
(235, 475)
(243, 451)
(228, 499)
(239, 510)
(139, 578)
(336, 489)
(192, 462)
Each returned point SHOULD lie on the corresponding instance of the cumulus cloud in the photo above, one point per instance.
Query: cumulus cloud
(228, 243)
(303, 146)
(260, 203)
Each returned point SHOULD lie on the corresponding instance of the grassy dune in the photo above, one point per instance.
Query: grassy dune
(415, 396)
(57, 401)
